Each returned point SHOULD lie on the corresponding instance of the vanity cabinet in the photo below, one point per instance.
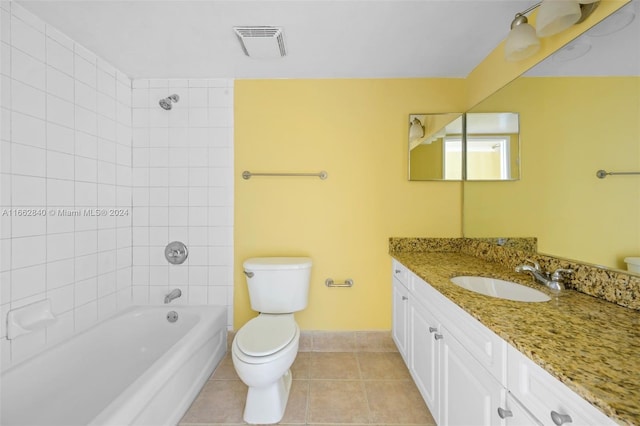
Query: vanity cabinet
(467, 374)
(457, 387)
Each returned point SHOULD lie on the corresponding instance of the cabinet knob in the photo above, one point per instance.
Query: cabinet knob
(405, 298)
(504, 413)
(397, 271)
(560, 419)
(432, 329)
(438, 336)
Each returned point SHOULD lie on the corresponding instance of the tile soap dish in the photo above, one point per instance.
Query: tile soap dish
(33, 317)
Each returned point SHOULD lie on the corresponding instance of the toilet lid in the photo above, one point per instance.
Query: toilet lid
(266, 334)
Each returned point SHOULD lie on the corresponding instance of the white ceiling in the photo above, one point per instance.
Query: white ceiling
(324, 38)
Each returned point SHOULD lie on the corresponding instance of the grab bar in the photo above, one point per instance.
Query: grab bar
(247, 174)
(330, 283)
(603, 173)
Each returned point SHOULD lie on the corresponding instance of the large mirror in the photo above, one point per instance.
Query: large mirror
(489, 149)
(579, 113)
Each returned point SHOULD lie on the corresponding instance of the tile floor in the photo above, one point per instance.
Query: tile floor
(329, 388)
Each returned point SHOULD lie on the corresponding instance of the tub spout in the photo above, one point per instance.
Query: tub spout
(174, 294)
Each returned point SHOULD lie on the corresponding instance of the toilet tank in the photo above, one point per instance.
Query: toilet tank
(278, 285)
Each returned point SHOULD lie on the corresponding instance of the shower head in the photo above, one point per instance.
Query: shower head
(167, 103)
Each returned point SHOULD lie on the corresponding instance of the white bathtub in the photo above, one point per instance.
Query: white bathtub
(134, 368)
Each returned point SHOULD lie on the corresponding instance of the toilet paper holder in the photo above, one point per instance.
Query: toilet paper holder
(330, 283)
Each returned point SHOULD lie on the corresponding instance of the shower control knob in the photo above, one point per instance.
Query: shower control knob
(176, 252)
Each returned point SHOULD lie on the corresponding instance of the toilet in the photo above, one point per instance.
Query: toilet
(264, 349)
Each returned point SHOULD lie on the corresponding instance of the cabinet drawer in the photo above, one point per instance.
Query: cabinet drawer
(543, 394)
(400, 272)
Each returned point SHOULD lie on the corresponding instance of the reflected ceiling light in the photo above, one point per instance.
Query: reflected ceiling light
(613, 23)
(416, 131)
(554, 17)
(571, 51)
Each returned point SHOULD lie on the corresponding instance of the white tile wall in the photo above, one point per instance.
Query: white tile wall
(183, 190)
(66, 146)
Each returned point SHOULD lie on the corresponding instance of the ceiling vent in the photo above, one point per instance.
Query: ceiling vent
(261, 42)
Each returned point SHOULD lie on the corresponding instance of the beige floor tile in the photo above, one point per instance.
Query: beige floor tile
(382, 365)
(220, 401)
(225, 370)
(334, 365)
(328, 389)
(331, 341)
(396, 402)
(301, 366)
(337, 401)
(375, 341)
(296, 411)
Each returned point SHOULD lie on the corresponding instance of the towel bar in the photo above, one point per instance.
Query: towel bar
(330, 283)
(247, 174)
(603, 173)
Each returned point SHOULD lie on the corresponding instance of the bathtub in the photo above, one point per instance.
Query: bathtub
(133, 368)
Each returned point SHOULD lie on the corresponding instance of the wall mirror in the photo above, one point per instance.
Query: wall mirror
(492, 146)
(488, 151)
(435, 146)
(579, 113)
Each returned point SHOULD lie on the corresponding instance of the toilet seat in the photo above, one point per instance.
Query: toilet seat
(266, 335)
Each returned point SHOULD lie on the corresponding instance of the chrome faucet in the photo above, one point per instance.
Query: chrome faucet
(554, 281)
(174, 294)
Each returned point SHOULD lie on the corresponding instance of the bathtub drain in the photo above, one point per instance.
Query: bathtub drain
(172, 316)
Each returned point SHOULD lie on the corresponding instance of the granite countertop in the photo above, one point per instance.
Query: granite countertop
(591, 345)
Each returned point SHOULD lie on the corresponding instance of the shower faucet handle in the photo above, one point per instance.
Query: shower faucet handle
(176, 252)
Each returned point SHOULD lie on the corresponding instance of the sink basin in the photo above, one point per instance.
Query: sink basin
(501, 289)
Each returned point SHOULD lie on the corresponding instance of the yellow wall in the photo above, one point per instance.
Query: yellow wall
(356, 130)
(565, 138)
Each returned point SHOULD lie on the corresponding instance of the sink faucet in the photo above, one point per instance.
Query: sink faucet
(554, 281)
(174, 294)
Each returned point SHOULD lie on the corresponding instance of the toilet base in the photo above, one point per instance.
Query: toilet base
(266, 405)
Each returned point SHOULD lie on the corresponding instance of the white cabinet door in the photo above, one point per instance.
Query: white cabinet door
(469, 394)
(424, 355)
(400, 317)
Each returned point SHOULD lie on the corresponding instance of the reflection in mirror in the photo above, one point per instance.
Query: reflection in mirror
(493, 146)
(578, 114)
(435, 146)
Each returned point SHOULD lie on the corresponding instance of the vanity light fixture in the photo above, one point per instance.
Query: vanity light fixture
(416, 131)
(553, 17)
